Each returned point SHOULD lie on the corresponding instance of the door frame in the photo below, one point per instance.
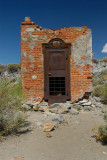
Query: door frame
(57, 44)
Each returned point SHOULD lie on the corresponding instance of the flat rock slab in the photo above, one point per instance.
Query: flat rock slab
(83, 101)
(48, 127)
(87, 104)
(55, 105)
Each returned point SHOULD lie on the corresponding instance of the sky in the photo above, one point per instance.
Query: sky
(53, 14)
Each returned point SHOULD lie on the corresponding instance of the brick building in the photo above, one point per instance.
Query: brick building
(56, 65)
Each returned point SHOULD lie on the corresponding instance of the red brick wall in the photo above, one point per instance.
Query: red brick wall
(32, 69)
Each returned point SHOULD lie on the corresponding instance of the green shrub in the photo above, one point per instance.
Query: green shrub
(2, 67)
(102, 134)
(10, 121)
(10, 94)
(101, 91)
(95, 60)
(11, 97)
(105, 116)
(4, 93)
(104, 59)
(101, 131)
(16, 94)
(100, 78)
(14, 67)
(97, 80)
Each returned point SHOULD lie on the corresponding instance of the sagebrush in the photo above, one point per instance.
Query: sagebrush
(11, 97)
(101, 131)
(14, 67)
(101, 91)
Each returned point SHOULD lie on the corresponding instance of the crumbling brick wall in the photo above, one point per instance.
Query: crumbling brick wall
(32, 67)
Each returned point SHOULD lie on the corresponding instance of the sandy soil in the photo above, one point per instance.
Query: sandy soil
(70, 141)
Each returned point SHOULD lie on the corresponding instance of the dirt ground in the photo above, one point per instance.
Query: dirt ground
(72, 140)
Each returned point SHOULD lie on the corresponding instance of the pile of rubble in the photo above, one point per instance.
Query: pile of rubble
(62, 108)
(57, 113)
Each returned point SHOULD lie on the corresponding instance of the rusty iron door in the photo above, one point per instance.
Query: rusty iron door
(57, 74)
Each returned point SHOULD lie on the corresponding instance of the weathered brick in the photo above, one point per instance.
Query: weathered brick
(32, 68)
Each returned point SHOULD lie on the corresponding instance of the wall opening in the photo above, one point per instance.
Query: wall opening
(57, 86)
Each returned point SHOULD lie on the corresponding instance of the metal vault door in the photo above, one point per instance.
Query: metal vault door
(56, 71)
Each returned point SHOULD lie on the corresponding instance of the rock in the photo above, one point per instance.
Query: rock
(43, 108)
(83, 101)
(74, 111)
(55, 105)
(63, 110)
(97, 99)
(88, 108)
(47, 113)
(66, 105)
(22, 130)
(93, 101)
(93, 105)
(43, 104)
(56, 124)
(25, 106)
(16, 158)
(87, 104)
(54, 110)
(29, 102)
(35, 103)
(58, 117)
(48, 127)
(102, 110)
(99, 105)
(78, 106)
(105, 153)
(48, 135)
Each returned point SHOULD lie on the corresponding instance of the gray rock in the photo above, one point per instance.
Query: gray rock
(58, 117)
(97, 99)
(93, 105)
(67, 105)
(59, 110)
(92, 100)
(55, 105)
(47, 113)
(74, 111)
(42, 108)
(78, 107)
(87, 108)
(56, 124)
(43, 104)
(26, 106)
(62, 110)
(102, 110)
(54, 110)
(99, 105)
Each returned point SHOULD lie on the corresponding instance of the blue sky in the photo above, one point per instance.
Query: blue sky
(53, 14)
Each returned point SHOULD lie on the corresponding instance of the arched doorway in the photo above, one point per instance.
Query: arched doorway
(57, 71)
